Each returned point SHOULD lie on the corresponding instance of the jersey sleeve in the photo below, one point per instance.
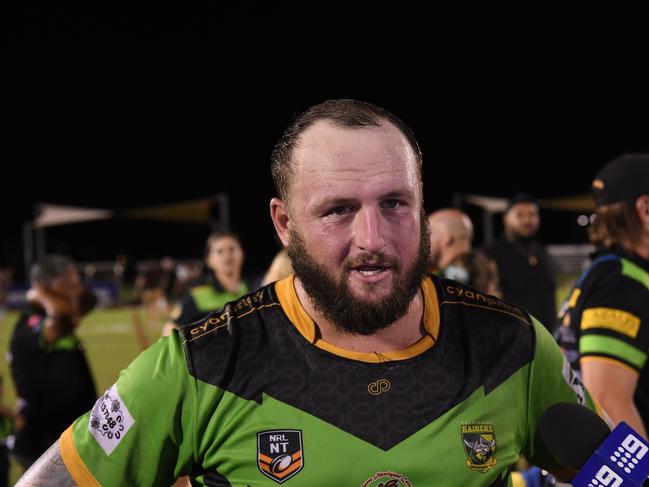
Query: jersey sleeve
(614, 323)
(141, 431)
(551, 381)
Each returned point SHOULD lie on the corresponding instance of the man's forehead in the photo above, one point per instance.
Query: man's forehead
(325, 132)
(325, 142)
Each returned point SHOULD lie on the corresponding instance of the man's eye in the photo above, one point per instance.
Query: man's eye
(391, 204)
(339, 210)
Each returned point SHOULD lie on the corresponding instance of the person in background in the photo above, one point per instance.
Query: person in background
(224, 259)
(50, 372)
(603, 326)
(451, 234)
(525, 268)
(358, 369)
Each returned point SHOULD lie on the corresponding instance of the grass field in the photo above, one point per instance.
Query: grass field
(111, 344)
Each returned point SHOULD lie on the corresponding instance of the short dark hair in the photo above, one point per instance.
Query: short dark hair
(214, 236)
(520, 198)
(343, 112)
(615, 224)
(50, 268)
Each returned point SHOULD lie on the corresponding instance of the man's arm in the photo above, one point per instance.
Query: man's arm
(48, 470)
(613, 386)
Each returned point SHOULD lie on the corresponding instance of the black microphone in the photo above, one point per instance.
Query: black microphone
(578, 438)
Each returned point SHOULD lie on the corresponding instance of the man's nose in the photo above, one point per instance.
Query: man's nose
(369, 230)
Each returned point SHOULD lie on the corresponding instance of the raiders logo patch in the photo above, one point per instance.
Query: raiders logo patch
(479, 442)
(279, 454)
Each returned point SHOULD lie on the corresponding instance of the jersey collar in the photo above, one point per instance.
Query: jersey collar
(304, 324)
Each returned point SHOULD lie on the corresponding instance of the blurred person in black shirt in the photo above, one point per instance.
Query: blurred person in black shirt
(524, 266)
(53, 382)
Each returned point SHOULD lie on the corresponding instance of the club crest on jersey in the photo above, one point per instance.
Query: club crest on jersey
(479, 442)
(387, 479)
(279, 454)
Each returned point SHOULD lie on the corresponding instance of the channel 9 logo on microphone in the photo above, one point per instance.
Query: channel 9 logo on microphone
(606, 477)
(621, 458)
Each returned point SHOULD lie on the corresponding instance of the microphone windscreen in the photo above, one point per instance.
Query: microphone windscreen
(572, 433)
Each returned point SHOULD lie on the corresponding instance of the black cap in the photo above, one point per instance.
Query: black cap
(622, 179)
(520, 198)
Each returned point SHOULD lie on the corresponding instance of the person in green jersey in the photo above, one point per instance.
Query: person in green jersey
(360, 369)
(224, 260)
(603, 326)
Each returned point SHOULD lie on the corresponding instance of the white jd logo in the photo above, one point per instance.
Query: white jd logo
(606, 477)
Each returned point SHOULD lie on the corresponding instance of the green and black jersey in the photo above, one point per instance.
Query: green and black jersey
(606, 317)
(253, 397)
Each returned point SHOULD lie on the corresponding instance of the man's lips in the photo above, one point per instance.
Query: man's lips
(370, 270)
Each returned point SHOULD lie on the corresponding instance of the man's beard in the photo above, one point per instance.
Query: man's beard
(336, 301)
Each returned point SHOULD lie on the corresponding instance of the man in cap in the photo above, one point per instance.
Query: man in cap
(604, 324)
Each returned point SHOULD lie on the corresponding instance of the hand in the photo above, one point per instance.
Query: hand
(54, 303)
(19, 422)
(62, 310)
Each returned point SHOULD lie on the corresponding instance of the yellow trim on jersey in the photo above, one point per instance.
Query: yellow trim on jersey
(291, 305)
(518, 480)
(611, 319)
(572, 302)
(287, 296)
(77, 469)
(609, 360)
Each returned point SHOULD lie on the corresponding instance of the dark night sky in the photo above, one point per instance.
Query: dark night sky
(118, 111)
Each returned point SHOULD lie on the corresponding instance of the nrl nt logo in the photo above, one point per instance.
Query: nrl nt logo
(279, 454)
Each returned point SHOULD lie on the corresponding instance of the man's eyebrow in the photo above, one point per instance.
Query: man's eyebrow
(330, 202)
(399, 193)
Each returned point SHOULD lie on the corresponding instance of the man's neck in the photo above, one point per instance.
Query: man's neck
(517, 239)
(401, 334)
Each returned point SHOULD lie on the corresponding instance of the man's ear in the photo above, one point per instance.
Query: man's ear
(279, 215)
(642, 207)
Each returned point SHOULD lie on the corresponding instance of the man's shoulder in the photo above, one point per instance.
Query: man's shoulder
(498, 336)
(474, 302)
(231, 345)
(239, 312)
(605, 271)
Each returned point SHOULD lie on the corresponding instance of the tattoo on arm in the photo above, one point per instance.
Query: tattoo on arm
(48, 470)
